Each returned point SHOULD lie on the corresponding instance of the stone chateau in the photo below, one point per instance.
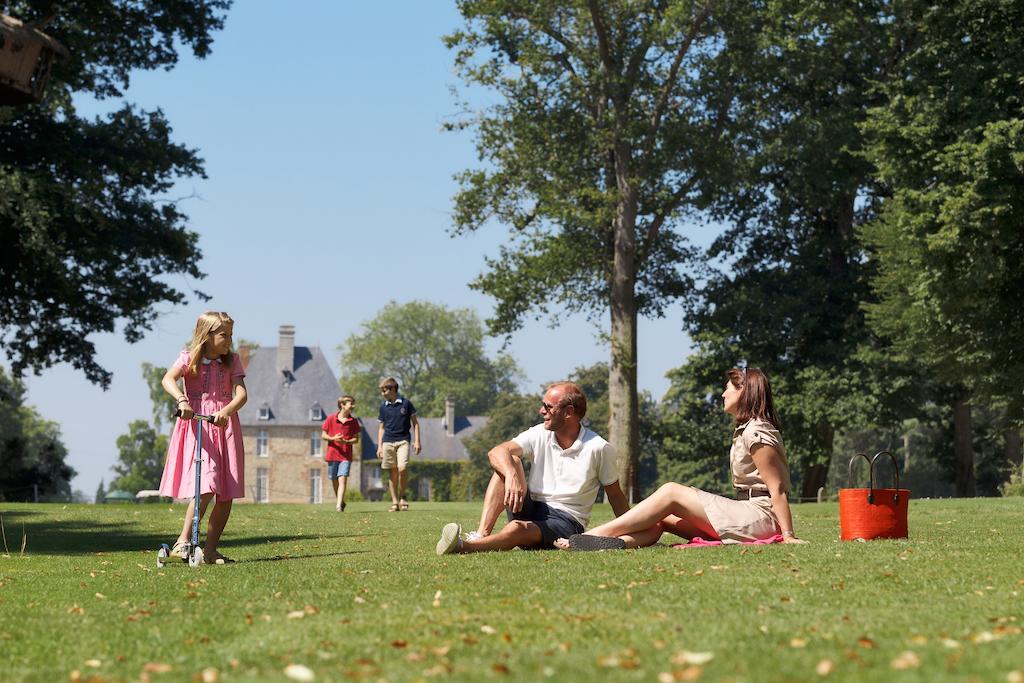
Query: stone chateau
(291, 390)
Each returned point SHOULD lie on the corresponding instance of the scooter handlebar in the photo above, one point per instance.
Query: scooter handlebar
(196, 416)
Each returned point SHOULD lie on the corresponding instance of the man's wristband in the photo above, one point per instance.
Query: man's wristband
(182, 398)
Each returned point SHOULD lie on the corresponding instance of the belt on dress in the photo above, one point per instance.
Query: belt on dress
(747, 494)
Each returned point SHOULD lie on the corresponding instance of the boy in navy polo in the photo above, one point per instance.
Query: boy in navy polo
(398, 424)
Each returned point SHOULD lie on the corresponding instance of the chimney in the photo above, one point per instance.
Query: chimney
(286, 350)
(449, 415)
(244, 351)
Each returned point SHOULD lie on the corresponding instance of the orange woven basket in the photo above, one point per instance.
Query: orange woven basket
(873, 512)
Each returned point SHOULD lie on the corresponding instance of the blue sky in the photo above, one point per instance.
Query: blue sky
(329, 194)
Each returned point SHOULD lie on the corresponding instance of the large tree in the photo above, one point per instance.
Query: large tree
(89, 235)
(604, 137)
(948, 142)
(789, 297)
(32, 455)
(434, 352)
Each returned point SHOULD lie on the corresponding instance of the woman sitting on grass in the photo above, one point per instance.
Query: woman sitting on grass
(760, 475)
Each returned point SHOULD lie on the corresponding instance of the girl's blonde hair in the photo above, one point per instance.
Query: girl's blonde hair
(208, 323)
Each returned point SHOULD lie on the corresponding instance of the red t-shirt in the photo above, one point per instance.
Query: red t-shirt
(347, 429)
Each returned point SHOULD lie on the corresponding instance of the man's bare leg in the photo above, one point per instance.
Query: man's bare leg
(494, 505)
(515, 534)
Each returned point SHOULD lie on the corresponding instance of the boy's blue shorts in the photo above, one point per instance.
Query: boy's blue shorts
(338, 468)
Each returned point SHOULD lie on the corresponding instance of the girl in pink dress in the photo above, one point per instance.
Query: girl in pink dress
(212, 375)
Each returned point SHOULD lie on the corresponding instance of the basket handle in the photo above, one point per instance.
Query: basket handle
(895, 471)
(870, 469)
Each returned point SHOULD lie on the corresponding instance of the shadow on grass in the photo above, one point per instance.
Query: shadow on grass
(90, 537)
(282, 558)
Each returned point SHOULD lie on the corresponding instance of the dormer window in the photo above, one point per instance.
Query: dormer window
(316, 413)
(264, 412)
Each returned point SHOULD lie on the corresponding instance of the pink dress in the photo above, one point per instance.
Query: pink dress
(223, 471)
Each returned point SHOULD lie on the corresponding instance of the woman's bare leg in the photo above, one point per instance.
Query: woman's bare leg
(670, 500)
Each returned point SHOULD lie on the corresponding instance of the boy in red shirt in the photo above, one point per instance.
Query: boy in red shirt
(341, 432)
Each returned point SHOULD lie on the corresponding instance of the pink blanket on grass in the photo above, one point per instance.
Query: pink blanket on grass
(698, 542)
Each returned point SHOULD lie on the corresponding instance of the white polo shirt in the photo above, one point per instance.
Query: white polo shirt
(568, 479)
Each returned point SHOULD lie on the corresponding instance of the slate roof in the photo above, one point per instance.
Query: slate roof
(311, 382)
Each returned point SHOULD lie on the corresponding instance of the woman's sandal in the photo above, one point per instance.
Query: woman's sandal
(403, 504)
(587, 542)
(394, 507)
(180, 550)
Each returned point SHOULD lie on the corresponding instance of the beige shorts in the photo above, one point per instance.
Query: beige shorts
(740, 520)
(392, 453)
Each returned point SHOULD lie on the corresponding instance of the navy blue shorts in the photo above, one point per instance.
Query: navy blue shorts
(554, 524)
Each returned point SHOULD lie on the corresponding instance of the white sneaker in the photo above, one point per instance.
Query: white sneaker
(451, 539)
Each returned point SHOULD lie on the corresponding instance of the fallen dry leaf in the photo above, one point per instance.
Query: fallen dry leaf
(825, 667)
(399, 643)
(919, 640)
(1016, 676)
(695, 658)
(950, 644)
(296, 614)
(906, 660)
(798, 642)
(437, 599)
(210, 675)
(299, 672)
(499, 668)
(93, 663)
(866, 643)
(489, 630)
(157, 667)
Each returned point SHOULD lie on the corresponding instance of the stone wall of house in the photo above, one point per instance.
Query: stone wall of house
(288, 465)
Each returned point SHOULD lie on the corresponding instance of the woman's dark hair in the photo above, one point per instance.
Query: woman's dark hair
(756, 399)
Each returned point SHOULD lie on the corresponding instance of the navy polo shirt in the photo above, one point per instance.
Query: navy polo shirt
(397, 419)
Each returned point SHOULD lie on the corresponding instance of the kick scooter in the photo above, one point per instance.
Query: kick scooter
(195, 553)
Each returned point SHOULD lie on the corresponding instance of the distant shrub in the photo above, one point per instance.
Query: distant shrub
(1014, 487)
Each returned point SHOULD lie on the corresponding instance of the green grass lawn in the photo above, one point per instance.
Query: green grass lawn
(361, 595)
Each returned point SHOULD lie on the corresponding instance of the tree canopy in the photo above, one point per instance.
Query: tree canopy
(607, 133)
(433, 352)
(89, 235)
(32, 454)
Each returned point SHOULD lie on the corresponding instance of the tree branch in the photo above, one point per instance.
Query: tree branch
(666, 91)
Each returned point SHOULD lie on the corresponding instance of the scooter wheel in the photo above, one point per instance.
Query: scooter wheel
(162, 555)
(195, 558)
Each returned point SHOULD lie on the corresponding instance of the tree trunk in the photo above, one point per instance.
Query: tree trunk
(906, 453)
(963, 449)
(623, 405)
(1014, 447)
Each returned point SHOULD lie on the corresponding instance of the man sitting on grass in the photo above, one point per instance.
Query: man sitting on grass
(569, 464)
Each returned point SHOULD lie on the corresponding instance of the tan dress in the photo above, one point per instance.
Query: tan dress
(736, 521)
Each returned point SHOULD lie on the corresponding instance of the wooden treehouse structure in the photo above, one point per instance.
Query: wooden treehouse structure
(26, 58)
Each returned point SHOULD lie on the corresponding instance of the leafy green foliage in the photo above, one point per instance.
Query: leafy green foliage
(948, 142)
(433, 352)
(89, 239)
(140, 459)
(32, 455)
